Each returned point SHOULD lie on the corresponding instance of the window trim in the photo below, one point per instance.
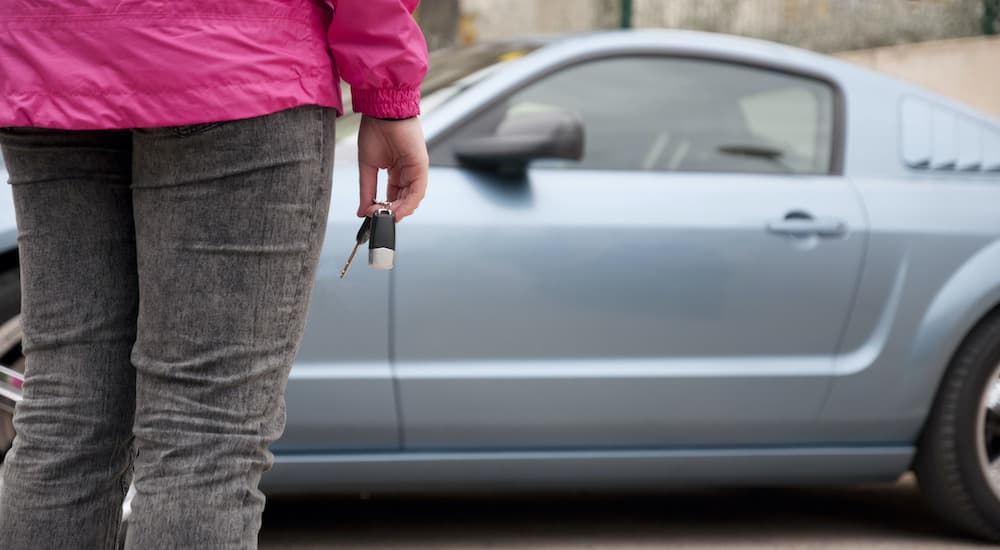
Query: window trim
(839, 120)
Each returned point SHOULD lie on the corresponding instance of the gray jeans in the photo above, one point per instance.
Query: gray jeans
(166, 275)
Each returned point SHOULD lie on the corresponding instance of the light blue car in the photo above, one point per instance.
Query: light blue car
(659, 258)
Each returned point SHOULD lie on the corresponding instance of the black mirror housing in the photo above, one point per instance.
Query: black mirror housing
(522, 138)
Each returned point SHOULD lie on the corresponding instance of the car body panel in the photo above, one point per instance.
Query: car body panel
(931, 273)
(8, 220)
(640, 470)
(573, 315)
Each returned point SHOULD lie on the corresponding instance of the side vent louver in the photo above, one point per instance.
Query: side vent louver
(937, 138)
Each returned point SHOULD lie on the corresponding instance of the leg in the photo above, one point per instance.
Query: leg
(229, 224)
(65, 476)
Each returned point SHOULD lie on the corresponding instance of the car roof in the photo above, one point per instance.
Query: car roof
(702, 43)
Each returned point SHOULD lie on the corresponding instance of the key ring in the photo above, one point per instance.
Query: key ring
(386, 204)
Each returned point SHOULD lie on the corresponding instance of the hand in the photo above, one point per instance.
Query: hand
(397, 145)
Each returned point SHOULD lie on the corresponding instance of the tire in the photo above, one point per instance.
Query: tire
(10, 351)
(962, 437)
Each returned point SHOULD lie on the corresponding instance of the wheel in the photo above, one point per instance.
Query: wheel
(11, 358)
(958, 458)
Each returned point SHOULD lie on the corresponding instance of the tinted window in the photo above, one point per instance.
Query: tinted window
(657, 113)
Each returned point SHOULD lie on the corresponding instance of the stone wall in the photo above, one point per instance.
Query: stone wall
(822, 25)
(965, 69)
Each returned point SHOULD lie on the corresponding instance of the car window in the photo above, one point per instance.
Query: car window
(678, 114)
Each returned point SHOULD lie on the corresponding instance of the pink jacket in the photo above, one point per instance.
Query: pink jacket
(102, 64)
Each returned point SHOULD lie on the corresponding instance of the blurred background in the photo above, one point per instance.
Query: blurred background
(885, 35)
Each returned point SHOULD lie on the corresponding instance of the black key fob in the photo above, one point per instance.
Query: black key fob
(382, 243)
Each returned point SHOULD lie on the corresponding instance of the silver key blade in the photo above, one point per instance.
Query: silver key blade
(350, 260)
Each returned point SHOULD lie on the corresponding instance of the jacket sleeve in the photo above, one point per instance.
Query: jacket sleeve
(380, 51)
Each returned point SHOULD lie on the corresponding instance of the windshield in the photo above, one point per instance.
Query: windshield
(450, 72)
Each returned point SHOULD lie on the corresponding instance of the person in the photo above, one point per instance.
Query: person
(171, 165)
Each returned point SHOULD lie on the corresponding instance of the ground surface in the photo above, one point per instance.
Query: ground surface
(876, 516)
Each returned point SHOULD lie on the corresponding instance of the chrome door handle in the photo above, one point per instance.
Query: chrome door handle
(806, 227)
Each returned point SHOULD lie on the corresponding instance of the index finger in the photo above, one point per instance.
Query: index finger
(367, 187)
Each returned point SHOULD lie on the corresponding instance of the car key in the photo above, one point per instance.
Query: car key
(382, 246)
(362, 238)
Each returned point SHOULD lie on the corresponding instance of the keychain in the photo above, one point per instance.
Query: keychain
(379, 231)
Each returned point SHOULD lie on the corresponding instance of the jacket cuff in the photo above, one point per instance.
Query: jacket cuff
(386, 102)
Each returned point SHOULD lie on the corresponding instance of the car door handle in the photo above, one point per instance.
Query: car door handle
(808, 226)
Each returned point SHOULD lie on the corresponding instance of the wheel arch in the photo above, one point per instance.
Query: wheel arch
(969, 298)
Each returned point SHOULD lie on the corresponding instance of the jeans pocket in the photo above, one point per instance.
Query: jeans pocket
(188, 130)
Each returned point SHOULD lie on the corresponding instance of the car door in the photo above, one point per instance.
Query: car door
(684, 284)
(340, 395)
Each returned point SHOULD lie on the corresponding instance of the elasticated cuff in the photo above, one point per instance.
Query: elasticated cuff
(387, 102)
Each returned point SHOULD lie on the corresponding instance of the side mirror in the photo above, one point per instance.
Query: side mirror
(522, 138)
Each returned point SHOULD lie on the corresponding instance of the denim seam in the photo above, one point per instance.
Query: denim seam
(317, 192)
